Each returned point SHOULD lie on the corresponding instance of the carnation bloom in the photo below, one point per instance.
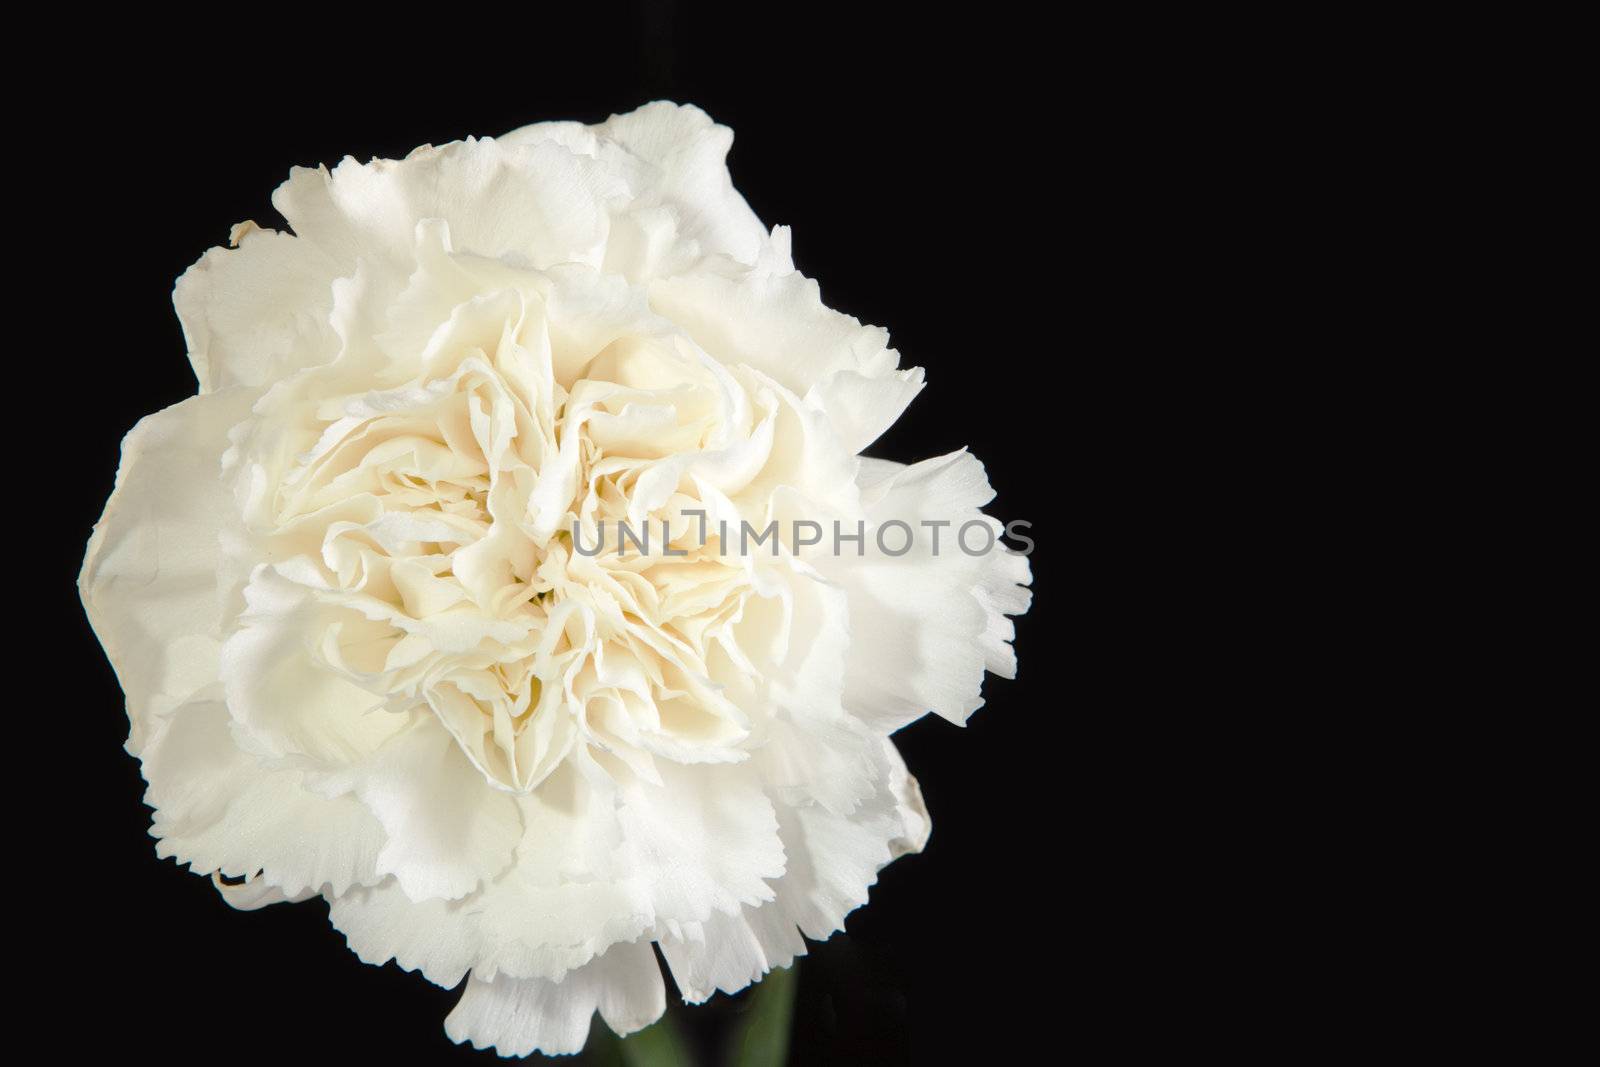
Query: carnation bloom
(372, 652)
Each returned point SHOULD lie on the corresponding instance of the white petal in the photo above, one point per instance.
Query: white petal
(587, 876)
(256, 893)
(916, 823)
(810, 749)
(688, 155)
(829, 762)
(282, 692)
(565, 899)
(149, 579)
(776, 324)
(437, 938)
(538, 204)
(927, 623)
(220, 809)
(862, 407)
(254, 314)
(449, 829)
(728, 952)
(520, 1016)
(704, 840)
(833, 862)
(1004, 592)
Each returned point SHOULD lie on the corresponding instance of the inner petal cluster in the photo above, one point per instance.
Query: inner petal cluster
(534, 557)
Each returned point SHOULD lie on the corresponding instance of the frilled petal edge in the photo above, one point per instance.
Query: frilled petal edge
(520, 1016)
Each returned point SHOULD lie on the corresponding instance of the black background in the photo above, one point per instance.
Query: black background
(928, 177)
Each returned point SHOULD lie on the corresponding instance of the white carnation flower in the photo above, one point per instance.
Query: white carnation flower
(371, 650)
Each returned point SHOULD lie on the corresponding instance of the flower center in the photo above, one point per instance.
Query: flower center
(521, 561)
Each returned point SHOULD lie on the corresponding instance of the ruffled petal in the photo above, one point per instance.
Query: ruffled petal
(520, 1016)
(674, 160)
(728, 952)
(448, 830)
(688, 153)
(595, 867)
(778, 325)
(833, 861)
(149, 579)
(537, 204)
(705, 839)
(916, 825)
(929, 621)
(221, 809)
(565, 899)
(861, 407)
(436, 938)
(255, 893)
(281, 689)
(254, 314)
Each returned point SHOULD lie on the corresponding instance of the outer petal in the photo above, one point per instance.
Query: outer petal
(810, 748)
(519, 1016)
(255, 893)
(562, 902)
(537, 204)
(728, 952)
(833, 862)
(704, 840)
(674, 159)
(777, 324)
(281, 690)
(916, 824)
(149, 577)
(254, 314)
(587, 875)
(449, 830)
(219, 809)
(861, 406)
(928, 622)
(690, 153)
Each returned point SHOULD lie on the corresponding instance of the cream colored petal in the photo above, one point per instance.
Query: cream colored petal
(449, 830)
(588, 874)
(833, 861)
(861, 407)
(915, 822)
(729, 952)
(281, 688)
(536, 203)
(218, 808)
(517, 1017)
(255, 893)
(149, 579)
(776, 324)
(687, 156)
(255, 314)
(928, 622)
